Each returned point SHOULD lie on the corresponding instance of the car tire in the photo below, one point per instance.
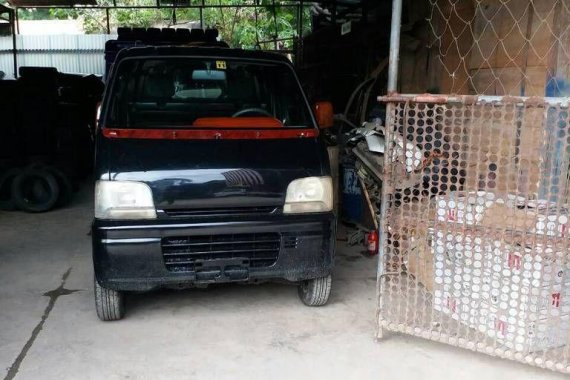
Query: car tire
(6, 197)
(109, 303)
(65, 186)
(315, 292)
(35, 190)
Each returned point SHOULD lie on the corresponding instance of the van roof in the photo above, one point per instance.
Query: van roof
(190, 51)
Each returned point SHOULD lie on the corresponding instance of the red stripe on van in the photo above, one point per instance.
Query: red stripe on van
(208, 134)
(237, 122)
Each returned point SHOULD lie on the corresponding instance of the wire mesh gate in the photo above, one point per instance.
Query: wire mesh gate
(475, 225)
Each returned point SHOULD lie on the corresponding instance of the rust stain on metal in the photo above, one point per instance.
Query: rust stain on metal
(536, 102)
(394, 97)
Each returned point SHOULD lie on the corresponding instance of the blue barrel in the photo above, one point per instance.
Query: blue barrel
(351, 194)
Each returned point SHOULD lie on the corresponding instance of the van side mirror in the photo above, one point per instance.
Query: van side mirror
(325, 115)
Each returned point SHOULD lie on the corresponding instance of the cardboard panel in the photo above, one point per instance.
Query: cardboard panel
(486, 28)
(542, 40)
(535, 81)
(512, 23)
(484, 82)
(456, 44)
(511, 80)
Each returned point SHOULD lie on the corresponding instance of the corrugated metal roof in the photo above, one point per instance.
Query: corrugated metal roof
(68, 53)
(57, 42)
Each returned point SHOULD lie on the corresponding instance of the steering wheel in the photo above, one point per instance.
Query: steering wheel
(252, 110)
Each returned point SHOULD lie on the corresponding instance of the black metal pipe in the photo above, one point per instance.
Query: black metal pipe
(108, 23)
(12, 17)
(17, 20)
(300, 20)
(202, 15)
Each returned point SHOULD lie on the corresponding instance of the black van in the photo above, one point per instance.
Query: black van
(210, 168)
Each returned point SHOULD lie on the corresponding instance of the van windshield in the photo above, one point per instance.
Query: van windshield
(171, 91)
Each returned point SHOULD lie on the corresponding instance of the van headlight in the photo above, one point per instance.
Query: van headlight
(123, 200)
(310, 194)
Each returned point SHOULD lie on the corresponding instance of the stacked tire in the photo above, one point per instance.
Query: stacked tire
(35, 188)
(6, 180)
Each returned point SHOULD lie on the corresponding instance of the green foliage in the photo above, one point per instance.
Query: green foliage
(245, 27)
(95, 20)
(34, 14)
(256, 27)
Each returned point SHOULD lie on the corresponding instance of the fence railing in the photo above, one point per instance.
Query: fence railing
(477, 251)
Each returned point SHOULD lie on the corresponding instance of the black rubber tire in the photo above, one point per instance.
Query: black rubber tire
(43, 199)
(6, 198)
(315, 292)
(109, 303)
(65, 186)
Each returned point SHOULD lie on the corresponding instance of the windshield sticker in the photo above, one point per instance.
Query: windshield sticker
(221, 65)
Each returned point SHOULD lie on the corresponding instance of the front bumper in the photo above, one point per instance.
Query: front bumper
(128, 255)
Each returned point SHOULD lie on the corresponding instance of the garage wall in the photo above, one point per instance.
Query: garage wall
(496, 47)
(490, 47)
(67, 53)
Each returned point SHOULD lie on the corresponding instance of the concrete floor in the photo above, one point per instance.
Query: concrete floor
(225, 332)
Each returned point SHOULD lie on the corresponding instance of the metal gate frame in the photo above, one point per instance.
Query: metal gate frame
(511, 320)
(554, 163)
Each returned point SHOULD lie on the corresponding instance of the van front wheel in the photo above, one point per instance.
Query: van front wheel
(315, 292)
(109, 303)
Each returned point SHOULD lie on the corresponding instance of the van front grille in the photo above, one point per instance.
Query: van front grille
(228, 211)
(187, 253)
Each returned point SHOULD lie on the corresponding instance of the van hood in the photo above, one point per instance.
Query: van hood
(215, 174)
